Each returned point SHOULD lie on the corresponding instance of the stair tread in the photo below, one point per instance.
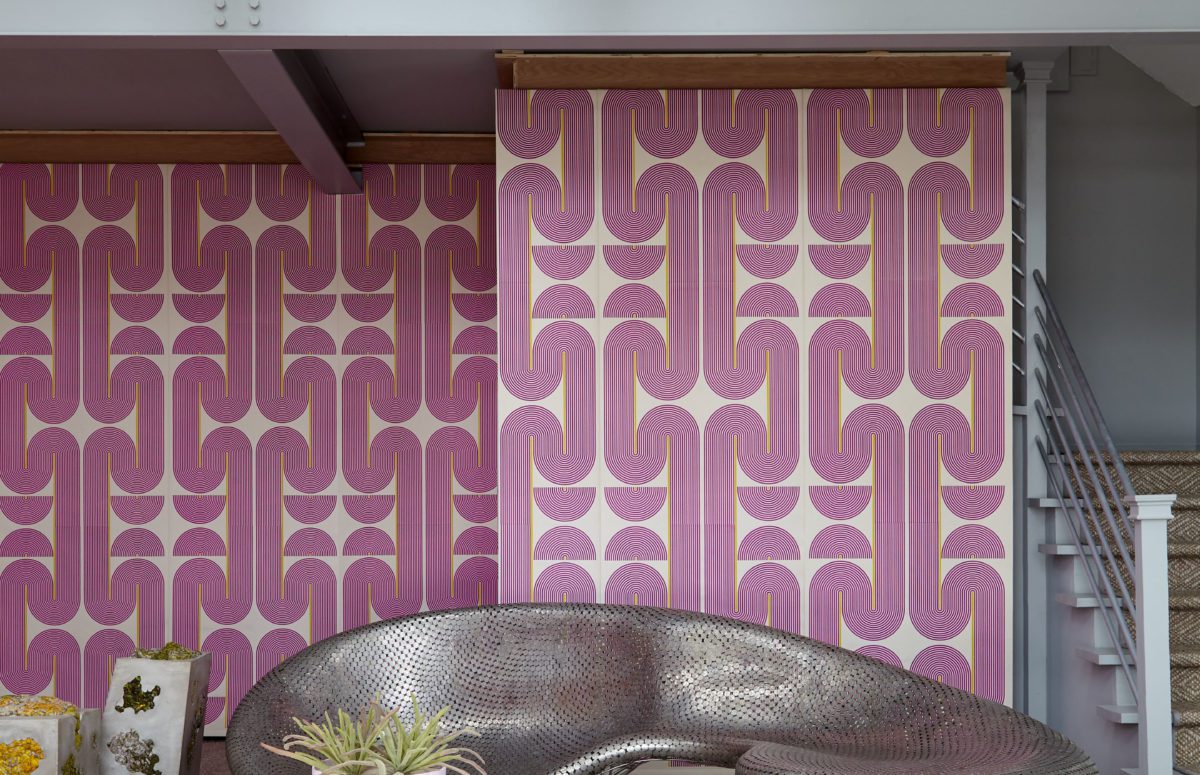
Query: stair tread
(1159, 457)
(1175, 549)
(1189, 713)
(1182, 655)
(1088, 600)
(1059, 550)
(1119, 714)
(1100, 655)
(1182, 503)
(1185, 655)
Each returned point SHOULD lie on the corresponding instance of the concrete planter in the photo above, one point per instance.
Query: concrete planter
(154, 713)
(47, 736)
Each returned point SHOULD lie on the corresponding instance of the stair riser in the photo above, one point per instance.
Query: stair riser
(1187, 747)
(1179, 478)
(1184, 572)
(1185, 684)
(1184, 626)
(1179, 473)
(1185, 526)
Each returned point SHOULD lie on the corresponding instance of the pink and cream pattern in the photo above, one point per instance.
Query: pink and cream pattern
(752, 347)
(753, 362)
(239, 413)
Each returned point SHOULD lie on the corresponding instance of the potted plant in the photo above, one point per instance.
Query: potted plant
(379, 743)
(153, 718)
(41, 734)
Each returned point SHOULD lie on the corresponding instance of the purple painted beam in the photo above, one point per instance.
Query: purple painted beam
(287, 95)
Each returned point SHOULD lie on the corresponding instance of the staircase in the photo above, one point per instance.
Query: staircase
(1179, 472)
(1123, 578)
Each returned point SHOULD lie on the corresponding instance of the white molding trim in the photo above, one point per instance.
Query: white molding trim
(596, 24)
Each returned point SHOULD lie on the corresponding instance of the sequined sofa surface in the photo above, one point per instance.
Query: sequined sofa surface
(568, 689)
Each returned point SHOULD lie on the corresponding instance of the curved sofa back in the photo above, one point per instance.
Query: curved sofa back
(573, 688)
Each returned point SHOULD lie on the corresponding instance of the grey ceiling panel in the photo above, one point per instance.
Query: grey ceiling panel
(115, 89)
(417, 91)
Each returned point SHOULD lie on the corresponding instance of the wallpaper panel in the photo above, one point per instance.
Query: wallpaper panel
(753, 362)
(239, 413)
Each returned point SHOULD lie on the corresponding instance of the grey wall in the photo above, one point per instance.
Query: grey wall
(1123, 230)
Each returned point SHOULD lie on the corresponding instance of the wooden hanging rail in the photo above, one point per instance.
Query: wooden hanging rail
(880, 70)
(234, 148)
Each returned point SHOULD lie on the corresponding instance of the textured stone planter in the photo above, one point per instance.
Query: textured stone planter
(154, 713)
(47, 736)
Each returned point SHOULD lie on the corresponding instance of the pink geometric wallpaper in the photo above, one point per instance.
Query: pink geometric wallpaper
(238, 413)
(753, 362)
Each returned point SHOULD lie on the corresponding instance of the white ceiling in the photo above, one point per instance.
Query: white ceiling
(606, 24)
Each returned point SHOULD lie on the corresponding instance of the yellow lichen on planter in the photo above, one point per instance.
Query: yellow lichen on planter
(171, 652)
(35, 706)
(137, 699)
(20, 757)
(40, 706)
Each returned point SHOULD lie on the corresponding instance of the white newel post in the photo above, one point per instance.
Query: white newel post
(1150, 514)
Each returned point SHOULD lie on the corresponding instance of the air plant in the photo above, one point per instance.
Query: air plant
(343, 747)
(379, 743)
(422, 747)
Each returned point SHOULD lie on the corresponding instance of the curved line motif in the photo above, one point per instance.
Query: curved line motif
(564, 542)
(564, 582)
(635, 543)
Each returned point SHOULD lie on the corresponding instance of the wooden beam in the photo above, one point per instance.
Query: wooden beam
(233, 148)
(286, 92)
(879, 70)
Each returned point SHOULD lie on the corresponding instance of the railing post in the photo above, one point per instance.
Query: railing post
(1031, 608)
(1150, 514)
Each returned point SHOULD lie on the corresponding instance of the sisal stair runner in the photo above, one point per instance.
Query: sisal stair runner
(1179, 472)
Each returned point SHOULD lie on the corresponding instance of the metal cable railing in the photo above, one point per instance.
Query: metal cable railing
(1020, 344)
(1088, 478)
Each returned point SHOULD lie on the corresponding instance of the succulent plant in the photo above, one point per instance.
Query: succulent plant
(379, 743)
(342, 746)
(410, 750)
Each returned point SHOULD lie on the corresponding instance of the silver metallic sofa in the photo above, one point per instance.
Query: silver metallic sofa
(566, 689)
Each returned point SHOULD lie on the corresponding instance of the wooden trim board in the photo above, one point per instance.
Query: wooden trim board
(425, 149)
(879, 70)
(233, 148)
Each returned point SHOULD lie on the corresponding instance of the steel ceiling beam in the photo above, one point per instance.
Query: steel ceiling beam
(298, 97)
(590, 24)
